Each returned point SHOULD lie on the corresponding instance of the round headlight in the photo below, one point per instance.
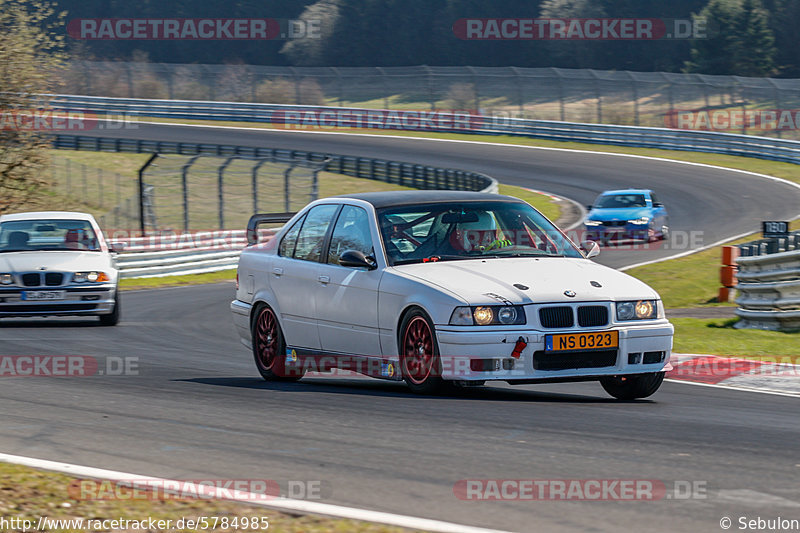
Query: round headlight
(626, 311)
(507, 315)
(79, 277)
(92, 276)
(6, 279)
(483, 315)
(644, 309)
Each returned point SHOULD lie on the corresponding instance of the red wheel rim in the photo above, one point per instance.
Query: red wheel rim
(267, 339)
(418, 356)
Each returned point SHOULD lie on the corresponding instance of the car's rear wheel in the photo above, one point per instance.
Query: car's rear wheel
(112, 319)
(633, 387)
(269, 347)
(419, 353)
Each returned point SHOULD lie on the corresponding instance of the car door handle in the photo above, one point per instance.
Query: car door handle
(324, 279)
(277, 271)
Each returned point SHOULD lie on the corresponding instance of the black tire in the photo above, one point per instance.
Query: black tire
(632, 387)
(269, 348)
(112, 319)
(420, 364)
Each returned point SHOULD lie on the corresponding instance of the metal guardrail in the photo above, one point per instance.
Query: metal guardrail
(397, 172)
(164, 255)
(769, 284)
(644, 137)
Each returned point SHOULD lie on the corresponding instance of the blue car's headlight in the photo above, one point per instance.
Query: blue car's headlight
(640, 221)
(592, 223)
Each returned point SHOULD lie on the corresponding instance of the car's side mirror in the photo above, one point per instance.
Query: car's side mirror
(589, 207)
(590, 248)
(658, 204)
(116, 247)
(357, 259)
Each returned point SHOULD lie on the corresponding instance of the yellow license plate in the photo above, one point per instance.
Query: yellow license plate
(570, 342)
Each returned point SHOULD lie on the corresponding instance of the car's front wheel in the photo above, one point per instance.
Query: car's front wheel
(633, 387)
(419, 353)
(269, 347)
(112, 319)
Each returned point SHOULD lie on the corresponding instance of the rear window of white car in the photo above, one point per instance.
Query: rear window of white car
(44, 234)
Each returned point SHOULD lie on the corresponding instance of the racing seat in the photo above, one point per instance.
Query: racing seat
(18, 240)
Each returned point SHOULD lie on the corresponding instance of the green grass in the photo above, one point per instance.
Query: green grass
(28, 494)
(718, 337)
(128, 284)
(96, 182)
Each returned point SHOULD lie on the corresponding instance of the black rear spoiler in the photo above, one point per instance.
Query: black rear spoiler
(264, 218)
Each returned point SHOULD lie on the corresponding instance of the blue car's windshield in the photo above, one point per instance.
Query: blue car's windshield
(452, 231)
(620, 201)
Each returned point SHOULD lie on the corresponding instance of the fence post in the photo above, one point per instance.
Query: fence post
(185, 190)
(141, 192)
(286, 194)
(220, 191)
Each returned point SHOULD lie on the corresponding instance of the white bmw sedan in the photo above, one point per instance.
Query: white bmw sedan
(56, 263)
(437, 288)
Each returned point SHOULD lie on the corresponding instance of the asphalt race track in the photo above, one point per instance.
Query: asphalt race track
(705, 204)
(196, 408)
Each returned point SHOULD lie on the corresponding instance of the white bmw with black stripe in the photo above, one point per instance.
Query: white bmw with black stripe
(444, 287)
(56, 263)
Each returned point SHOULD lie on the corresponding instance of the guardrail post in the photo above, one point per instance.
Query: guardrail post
(728, 272)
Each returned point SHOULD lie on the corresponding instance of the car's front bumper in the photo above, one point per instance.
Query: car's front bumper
(618, 233)
(83, 300)
(470, 354)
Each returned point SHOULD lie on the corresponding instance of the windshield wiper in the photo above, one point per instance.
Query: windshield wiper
(437, 258)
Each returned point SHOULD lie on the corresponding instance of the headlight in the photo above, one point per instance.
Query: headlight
(592, 223)
(483, 316)
(6, 279)
(91, 277)
(640, 221)
(498, 315)
(639, 310)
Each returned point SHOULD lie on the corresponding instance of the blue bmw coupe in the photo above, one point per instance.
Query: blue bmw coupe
(627, 214)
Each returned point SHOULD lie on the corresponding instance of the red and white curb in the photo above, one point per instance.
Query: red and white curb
(773, 377)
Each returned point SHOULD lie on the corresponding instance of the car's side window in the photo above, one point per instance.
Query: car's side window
(351, 232)
(286, 249)
(312, 234)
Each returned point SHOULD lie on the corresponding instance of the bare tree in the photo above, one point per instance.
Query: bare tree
(30, 54)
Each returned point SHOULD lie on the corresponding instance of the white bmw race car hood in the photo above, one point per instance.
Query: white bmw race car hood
(62, 261)
(487, 281)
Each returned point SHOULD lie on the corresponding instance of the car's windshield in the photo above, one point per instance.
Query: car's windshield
(43, 234)
(452, 231)
(620, 201)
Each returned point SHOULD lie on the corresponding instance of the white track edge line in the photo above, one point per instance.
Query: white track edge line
(736, 388)
(279, 504)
